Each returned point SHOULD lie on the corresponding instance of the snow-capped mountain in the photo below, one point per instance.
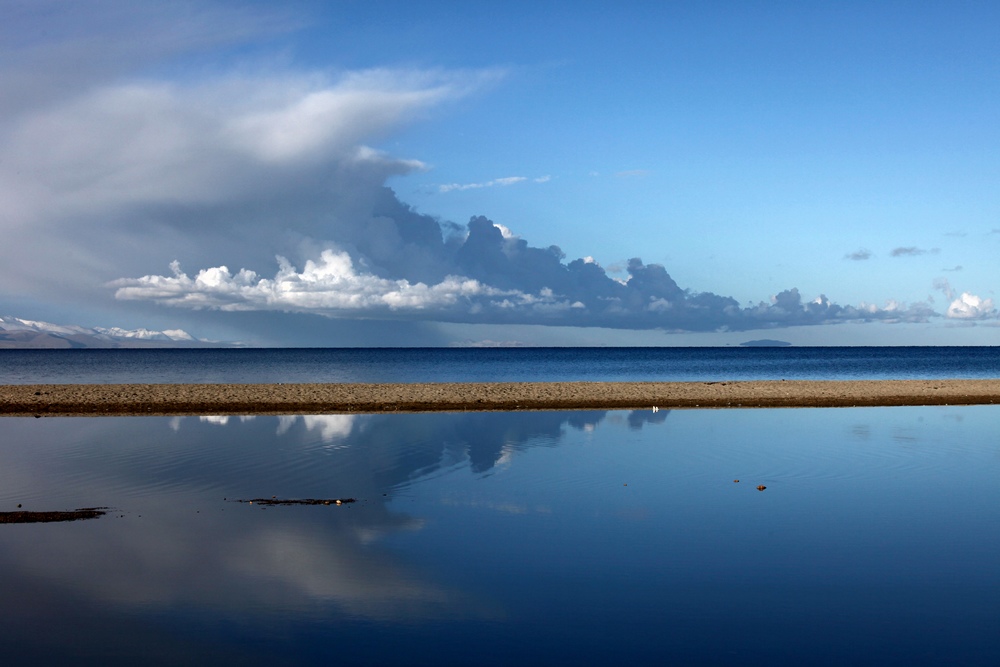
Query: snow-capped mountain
(17, 332)
(146, 334)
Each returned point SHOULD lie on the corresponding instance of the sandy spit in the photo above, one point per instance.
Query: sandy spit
(245, 399)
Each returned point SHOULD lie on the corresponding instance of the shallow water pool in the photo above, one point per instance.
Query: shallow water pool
(505, 538)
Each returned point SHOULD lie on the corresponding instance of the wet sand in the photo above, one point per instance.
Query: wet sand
(246, 399)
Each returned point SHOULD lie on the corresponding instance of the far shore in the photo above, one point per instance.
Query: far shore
(247, 399)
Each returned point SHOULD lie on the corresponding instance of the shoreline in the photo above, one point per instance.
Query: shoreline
(247, 399)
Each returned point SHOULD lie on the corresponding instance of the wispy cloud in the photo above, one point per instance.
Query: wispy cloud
(859, 255)
(496, 182)
(912, 251)
(942, 285)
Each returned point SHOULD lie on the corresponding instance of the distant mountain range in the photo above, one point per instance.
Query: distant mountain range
(18, 333)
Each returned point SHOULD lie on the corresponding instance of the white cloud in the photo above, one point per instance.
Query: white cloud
(330, 286)
(509, 180)
(299, 123)
(330, 427)
(505, 231)
(223, 420)
(967, 307)
(971, 307)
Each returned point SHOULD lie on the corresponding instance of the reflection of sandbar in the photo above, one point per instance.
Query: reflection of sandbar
(193, 399)
(49, 517)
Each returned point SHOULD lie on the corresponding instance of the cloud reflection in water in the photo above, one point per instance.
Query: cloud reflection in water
(478, 529)
(173, 541)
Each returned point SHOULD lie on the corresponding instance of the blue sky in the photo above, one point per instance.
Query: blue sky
(820, 173)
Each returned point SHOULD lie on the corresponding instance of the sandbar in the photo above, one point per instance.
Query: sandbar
(247, 399)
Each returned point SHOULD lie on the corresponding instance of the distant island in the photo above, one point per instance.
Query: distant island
(765, 342)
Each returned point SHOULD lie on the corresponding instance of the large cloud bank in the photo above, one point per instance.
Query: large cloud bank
(109, 176)
(486, 274)
(233, 169)
(115, 171)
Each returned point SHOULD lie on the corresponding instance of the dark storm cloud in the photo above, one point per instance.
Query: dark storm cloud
(55, 49)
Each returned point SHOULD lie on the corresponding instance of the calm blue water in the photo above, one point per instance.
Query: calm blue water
(495, 364)
(546, 538)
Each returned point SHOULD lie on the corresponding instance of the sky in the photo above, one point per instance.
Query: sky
(537, 173)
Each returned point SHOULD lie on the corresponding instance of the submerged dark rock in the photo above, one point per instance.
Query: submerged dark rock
(49, 517)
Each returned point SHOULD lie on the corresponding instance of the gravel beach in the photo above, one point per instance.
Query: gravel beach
(203, 399)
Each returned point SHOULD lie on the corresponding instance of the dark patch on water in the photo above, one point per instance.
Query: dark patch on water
(53, 516)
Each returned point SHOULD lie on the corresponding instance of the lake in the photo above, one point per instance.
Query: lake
(506, 538)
